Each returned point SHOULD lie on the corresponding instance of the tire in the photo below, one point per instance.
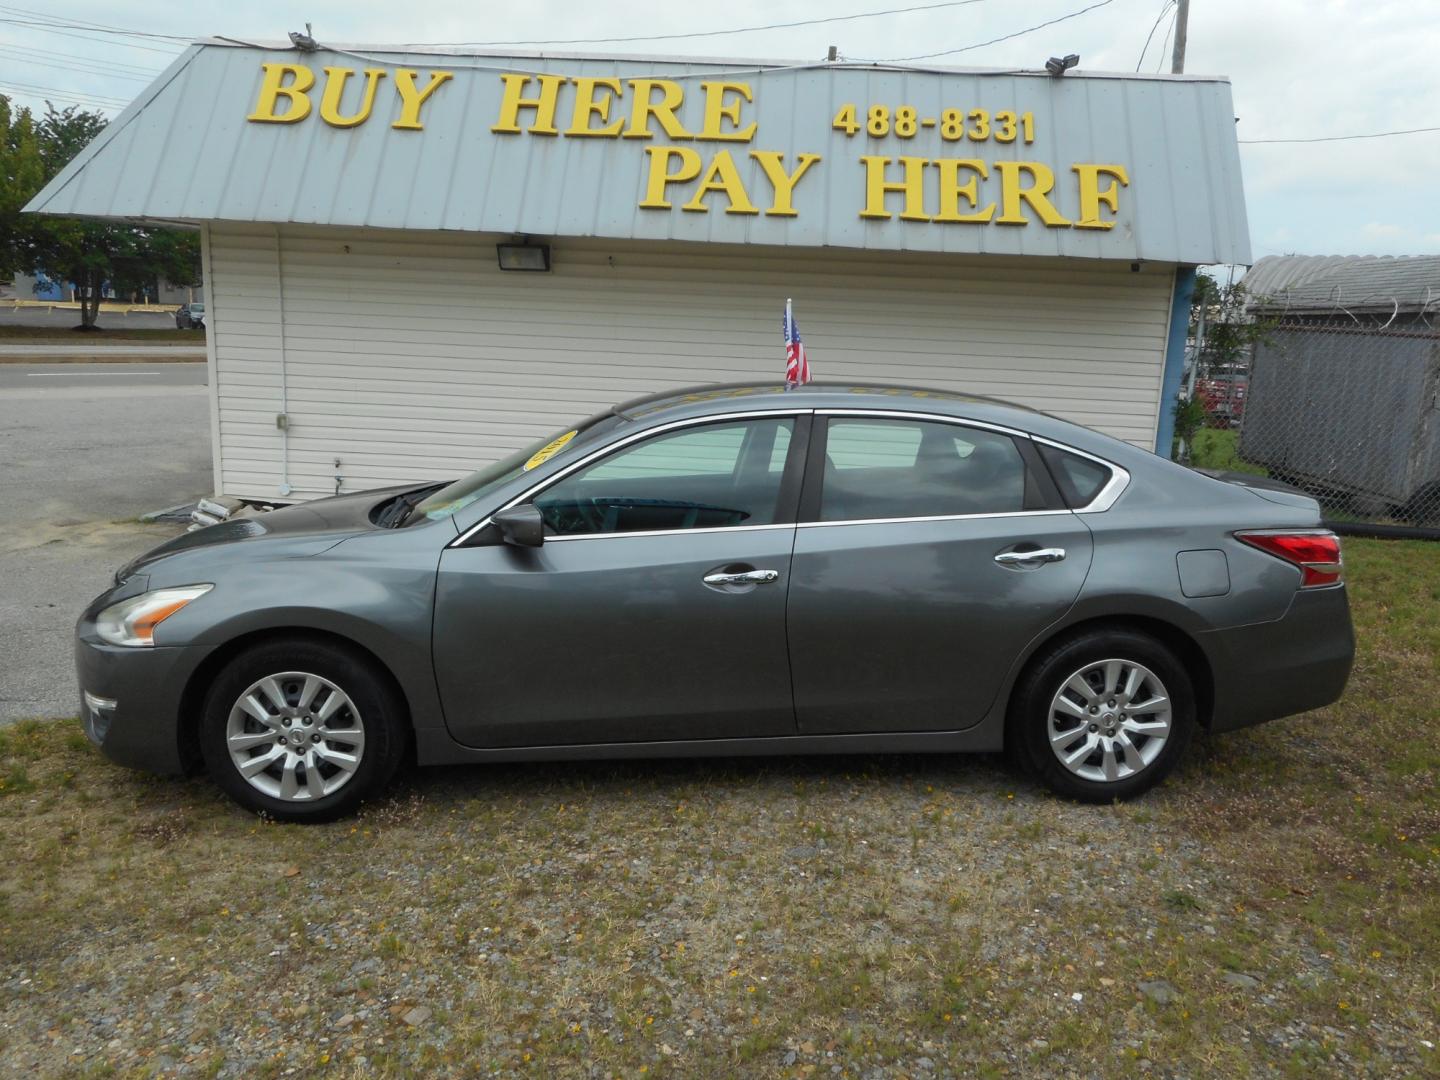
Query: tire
(1051, 717)
(342, 725)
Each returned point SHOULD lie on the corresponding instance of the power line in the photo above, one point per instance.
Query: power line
(148, 72)
(1165, 41)
(34, 89)
(994, 41)
(44, 29)
(63, 99)
(85, 24)
(1341, 138)
(20, 56)
(1155, 26)
(704, 33)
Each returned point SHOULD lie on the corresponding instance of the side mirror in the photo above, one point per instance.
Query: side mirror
(522, 526)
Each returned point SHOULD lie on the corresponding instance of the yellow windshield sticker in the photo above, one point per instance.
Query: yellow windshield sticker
(549, 450)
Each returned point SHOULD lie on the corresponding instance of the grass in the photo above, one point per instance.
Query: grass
(111, 330)
(1219, 448)
(771, 918)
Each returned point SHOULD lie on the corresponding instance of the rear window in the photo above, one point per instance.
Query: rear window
(1078, 478)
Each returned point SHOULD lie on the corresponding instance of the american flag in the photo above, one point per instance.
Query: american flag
(797, 364)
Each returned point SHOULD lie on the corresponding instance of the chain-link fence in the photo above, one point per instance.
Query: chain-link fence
(1347, 409)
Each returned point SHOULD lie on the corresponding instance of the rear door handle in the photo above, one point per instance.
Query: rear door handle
(1039, 555)
(744, 577)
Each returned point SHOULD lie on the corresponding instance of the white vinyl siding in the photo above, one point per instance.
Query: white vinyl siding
(411, 356)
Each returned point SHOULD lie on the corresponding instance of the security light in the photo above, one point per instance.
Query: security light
(523, 256)
(1058, 65)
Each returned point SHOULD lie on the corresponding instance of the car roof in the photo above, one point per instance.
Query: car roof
(721, 398)
(811, 395)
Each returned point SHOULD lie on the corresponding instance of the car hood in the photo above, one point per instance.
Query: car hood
(307, 528)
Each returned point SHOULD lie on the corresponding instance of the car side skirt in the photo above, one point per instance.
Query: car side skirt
(437, 748)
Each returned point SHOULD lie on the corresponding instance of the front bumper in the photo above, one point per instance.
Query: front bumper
(130, 701)
(1296, 663)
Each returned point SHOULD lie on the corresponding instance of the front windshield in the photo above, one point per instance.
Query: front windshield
(477, 485)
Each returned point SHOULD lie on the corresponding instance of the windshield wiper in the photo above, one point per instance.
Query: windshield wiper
(399, 509)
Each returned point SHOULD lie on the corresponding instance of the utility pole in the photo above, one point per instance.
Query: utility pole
(1182, 20)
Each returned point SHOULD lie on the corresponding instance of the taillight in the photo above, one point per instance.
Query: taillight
(1317, 554)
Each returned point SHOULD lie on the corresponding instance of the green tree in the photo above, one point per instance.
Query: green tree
(1231, 326)
(22, 173)
(89, 254)
(1224, 328)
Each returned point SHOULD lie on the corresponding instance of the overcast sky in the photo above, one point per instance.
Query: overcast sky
(1300, 69)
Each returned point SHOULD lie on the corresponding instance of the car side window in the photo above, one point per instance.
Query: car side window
(1079, 479)
(709, 476)
(882, 468)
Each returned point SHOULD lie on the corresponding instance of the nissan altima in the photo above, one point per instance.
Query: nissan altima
(731, 570)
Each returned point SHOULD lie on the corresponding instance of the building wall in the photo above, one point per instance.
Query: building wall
(410, 355)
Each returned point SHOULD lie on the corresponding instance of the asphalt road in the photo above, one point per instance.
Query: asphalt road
(84, 454)
(87, 346)
(67, 377)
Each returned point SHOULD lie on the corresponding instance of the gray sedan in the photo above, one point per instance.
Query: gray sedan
(729, 570)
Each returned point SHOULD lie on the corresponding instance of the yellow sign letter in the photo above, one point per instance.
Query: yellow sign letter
(1091, 194)
(660, 174)
(717, 109)
(273, 87)
(876, 186)
(722, 176)
(1012, 194)
(411, 99)
(335, 79)
(773, 162)
(544, 105)
(663, 110)
(585, 105)
(951, 190)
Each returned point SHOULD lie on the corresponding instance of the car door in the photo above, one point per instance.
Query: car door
(929, 553)
(653, 611)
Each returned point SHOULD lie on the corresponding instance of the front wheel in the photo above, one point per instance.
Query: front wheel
(301, 730)
(1105, 715)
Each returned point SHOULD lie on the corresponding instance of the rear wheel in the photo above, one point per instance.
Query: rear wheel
(301, 730)
(1105, 715)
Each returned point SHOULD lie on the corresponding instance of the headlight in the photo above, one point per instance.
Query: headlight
(133, 621)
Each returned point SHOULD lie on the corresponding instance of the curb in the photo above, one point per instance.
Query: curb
(101, 358)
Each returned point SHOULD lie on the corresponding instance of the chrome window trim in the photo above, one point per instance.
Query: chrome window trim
(933, 517)
(1112, 489)
(667, 532)
(599, 452)
(1106, 498)
(906, 414)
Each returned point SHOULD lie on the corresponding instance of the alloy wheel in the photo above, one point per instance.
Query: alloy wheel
(295, 736)
(1109, 720)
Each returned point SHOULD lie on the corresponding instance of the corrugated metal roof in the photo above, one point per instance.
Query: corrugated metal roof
(184, 150)
(1325, 282)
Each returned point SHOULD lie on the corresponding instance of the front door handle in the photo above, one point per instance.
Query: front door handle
(743, 577)
(1038, 555)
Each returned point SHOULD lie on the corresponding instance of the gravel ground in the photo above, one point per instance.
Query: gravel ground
(1269, 912)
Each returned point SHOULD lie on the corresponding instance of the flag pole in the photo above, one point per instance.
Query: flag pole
(789, 321)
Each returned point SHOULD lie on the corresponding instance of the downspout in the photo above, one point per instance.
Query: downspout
(282, 421)
(212, 359)
(1174, 358)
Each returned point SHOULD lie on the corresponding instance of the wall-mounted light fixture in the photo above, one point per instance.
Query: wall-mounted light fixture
(524, 256)
(1058, 65)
